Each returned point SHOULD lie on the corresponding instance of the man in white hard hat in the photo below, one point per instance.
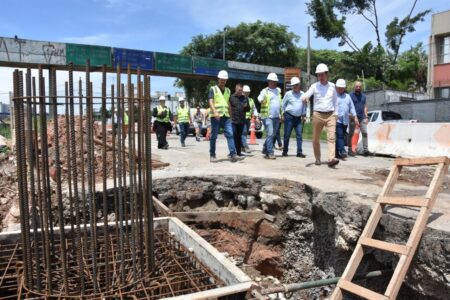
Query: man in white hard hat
(325, 113)
(219, 97)
(346, 111)
(252, 113)
(162, 115)
(183, 118)
(294, 111)
(270, 99)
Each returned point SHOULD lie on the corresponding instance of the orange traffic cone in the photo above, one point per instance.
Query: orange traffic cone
(355, 138)
(252, 133)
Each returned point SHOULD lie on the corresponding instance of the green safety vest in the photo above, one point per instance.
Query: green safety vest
(221, 101)
(248, 115)
(183, 114)
(166, 119)
(266, 105)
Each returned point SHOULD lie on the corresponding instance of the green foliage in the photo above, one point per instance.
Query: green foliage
(5, 130)
(396, 30)
(259, 43)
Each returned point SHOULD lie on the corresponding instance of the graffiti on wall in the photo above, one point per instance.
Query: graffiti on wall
(36, 52)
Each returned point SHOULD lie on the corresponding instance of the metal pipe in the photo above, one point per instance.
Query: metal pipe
(293, 287)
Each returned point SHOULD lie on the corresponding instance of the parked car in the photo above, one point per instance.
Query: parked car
(381, 116)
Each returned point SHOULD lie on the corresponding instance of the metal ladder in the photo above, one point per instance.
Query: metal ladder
(407, 251)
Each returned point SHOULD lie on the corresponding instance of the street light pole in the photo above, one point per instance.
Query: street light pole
(224, 31)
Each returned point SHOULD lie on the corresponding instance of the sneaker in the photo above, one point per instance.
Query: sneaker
(333, 162)
(271, 156)
(166, 147)
(183, 145)
(247, 150)
(351, 153)
(367, 153)
(284, 154)
(197, 139)
(317, 163)
(301, 155)
(212, 159)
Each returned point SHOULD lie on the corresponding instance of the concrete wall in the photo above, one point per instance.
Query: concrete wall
(436, 110)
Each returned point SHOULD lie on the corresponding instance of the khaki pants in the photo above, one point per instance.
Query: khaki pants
(320, 120)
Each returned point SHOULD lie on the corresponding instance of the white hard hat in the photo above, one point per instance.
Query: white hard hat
(246, 89)
(340, 83)
(272, 77)
(222, 75)
(162, 98)
(180, 99)
(321, 68)
(295, 80)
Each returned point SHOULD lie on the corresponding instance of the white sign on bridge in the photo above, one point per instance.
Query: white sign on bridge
(36, 52)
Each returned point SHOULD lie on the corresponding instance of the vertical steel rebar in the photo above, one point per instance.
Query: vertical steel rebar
(74, 170)
(90, 177)
(104, 175)
(31, 149)
(55, 144)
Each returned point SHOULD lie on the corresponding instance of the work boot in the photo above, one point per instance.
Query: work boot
(301, 155)
(197, 139)
(183, 144)
(234, 158)
(351, 153)
(166, 146)
(247, 150)
(212, 159)
(367, 153)
(333, 162)
(284, 154)
(270, 156)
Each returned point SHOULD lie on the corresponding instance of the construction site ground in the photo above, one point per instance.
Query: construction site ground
(361, 178)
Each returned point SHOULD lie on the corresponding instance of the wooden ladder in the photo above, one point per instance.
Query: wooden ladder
(407, 251)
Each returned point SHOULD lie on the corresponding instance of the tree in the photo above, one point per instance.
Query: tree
(329, 22)
(258, 43)
(411, 71)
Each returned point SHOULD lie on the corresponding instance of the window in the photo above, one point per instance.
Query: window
(390, 115)
(375, 117)
(444, 50)
(443, 93)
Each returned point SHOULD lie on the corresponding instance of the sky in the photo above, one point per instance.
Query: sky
(168, 25)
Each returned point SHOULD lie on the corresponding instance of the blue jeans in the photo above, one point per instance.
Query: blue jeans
(292, 122)
(271, 125)
(340, 134)
(184, 127)
(225, 123)
(245, 133)
(277, 137)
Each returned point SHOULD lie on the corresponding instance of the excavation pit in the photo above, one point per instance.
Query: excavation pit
(312, 237)
(185, 264)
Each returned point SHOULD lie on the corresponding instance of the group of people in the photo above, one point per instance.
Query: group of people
(333, 109)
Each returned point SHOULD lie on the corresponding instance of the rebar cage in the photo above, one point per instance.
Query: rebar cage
(67, 153)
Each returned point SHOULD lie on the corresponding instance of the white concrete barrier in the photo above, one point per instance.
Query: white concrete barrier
(408, 139)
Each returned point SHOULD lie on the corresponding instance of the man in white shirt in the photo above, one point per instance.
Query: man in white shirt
(325, 113)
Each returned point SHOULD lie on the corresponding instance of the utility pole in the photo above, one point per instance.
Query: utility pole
(224, 31)
(308, 59)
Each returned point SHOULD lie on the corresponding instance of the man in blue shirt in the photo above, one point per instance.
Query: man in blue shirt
(359, 100)
(294, 111)
(346, 111)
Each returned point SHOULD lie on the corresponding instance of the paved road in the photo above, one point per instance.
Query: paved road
(347, 177)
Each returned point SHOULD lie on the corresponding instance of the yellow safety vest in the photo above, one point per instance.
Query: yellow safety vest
(265, 107)
(248, 115)
(221, 101)
(166, 119)
(183, 114)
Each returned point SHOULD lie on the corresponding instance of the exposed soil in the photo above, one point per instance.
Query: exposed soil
(312, 238)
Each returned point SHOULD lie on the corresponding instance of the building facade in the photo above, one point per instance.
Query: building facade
(439, 56)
